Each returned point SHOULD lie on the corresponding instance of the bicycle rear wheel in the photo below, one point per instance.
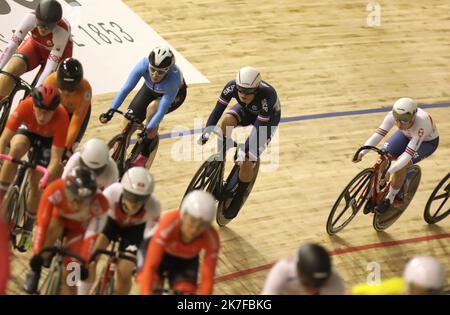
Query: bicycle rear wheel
(231, 182)
(440, 194)
(385, 220)
(355, 195)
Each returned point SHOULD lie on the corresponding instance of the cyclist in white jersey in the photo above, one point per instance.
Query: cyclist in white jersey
(134, 211)
(416, 139)
(95, 156)
(308, 273)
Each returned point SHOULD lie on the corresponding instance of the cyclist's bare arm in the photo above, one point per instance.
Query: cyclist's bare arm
(53, 166)
(5, 139)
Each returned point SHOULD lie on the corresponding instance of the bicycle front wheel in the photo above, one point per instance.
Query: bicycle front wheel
(117, 152)
(52, 283)
(354, 196)
(206, 178)
(12, 206)
(106, 283)
(436, 202)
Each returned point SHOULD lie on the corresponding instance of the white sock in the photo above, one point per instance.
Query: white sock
(85, 288)
(392, 193)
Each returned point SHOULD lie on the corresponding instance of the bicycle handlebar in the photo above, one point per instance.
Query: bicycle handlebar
(39, 168)
(19, 81)
(133, 119)
(384, 154)
(372, 148)
(62, 252)
(111, 253)
(219, 134)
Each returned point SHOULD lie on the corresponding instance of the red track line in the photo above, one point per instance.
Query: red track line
(337, 252)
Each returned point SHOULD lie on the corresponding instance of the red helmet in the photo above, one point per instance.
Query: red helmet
(46, 97)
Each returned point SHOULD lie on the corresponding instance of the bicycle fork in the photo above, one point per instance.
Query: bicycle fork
(110, 269)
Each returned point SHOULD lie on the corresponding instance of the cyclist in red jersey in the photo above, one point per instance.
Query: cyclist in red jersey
(49, 43)
(175, 246)
(73, 207)
(43, 125)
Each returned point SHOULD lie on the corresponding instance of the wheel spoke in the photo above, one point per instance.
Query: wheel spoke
(347, 198)
(354, 196)
(341, 214)
(363, 185)
(200, 179)
(444, 195)
(440, 207)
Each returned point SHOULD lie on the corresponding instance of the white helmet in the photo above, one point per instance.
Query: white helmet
(95, 154)
(137, 184)
(425, 272)
(248, 79)
(161, 58)
(404, 109)
(199, 204)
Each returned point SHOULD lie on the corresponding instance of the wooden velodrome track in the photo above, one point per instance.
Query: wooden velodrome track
(322, 58)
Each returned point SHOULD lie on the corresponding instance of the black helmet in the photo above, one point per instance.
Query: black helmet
(69, 74)
(313, 265)
(48, 12)
(80, 184)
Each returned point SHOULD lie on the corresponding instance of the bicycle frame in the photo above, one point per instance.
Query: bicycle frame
(378, 175)
(110, 268)
(124, 138)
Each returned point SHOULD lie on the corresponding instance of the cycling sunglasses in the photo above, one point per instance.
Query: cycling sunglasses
(134, 198)
(403, 119)
(158, 71)
(246, 91)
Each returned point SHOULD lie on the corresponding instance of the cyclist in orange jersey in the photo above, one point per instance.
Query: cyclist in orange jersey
(175, 246)
(76, 95)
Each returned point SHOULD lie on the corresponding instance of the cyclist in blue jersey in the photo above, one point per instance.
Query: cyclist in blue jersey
(163, 91)
(257, 105)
